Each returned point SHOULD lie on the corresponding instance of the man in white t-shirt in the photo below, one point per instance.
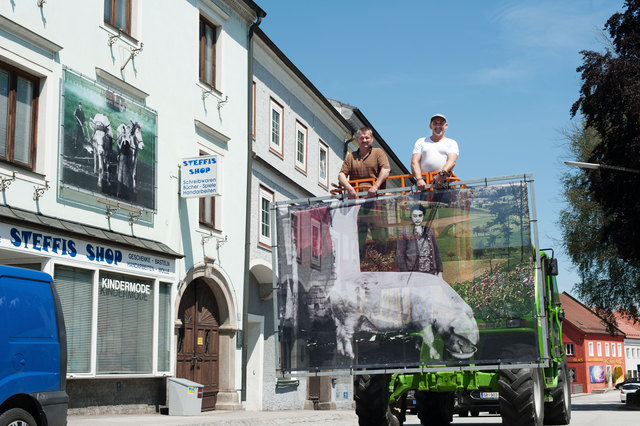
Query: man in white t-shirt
(436, 153)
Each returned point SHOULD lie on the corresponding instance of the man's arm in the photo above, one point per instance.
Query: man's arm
(342, 178)
(382, 176)
(417, 172)
(450, 163)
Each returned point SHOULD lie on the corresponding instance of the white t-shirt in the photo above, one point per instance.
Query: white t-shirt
(433, 155)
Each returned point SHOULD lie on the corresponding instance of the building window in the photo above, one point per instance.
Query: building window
(277, 122)
(266, 197)
(117, 13)
(619, 349)
(606, 349)
(628, 352)
(316, 243)
(208, 40)
(569, 349)
(208, 212)
(125, 325)
(613, 349)
(590, 348)
(599, 345)
(301, 147)
(164, 327)
(18, 116)
(75, 288)
(323, 165)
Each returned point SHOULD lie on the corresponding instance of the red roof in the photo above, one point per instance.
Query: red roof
(582, 317)
(631, 329)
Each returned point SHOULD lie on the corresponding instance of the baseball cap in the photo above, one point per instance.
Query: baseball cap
(438, 116)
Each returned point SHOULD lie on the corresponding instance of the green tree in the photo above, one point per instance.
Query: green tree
(610, 104)
(608, 282)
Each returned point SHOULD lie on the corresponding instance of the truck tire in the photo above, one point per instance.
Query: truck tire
(558, 411)
(372, 401)
(521, 397)
(435, 408)
(17, 417)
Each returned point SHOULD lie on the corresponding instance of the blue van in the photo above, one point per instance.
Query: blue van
(33, 350)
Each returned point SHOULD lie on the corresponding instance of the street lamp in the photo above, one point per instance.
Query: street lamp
(599, 166)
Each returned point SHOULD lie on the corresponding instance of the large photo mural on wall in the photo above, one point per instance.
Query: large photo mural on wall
(108, 143)
(418, 279)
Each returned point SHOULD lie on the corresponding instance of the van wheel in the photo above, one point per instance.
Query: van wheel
(17, 417)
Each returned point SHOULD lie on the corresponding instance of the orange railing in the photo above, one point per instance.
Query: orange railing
(399, 181)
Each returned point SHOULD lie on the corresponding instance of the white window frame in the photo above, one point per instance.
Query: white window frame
(569, 349)
(620, 353)
(613, 349)
(599, 348)
(277, 148)
(590, 348)
(606, 349)
(322, 147)
(264, 239)
(301, 132)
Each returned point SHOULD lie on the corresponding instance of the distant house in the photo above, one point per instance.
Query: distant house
(631, 345)
(595, 357)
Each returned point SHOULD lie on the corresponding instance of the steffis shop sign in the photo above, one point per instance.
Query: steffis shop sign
(45, 244)
(199, 176)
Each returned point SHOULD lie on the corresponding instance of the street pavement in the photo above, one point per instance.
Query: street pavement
(588, 410)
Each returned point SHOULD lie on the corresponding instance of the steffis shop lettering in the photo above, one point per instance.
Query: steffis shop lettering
(63, 247)
(193, 165)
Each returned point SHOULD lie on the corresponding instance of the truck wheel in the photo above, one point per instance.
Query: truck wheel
(17, 417)
(558, 411)
(521, 397)
(435, 408)
(372, 401)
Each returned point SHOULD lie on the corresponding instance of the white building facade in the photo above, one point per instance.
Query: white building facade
(104, 110)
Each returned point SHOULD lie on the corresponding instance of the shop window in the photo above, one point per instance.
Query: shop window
(208, 41)
(117, 13)
(266, 197)
(18, 116)
(569, 349)
(125, 324)
(75, 289)
(164, 326)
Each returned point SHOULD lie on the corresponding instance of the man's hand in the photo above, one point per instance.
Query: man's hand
(372, 191)
(351, 193)
(440, 181)
(421, 184)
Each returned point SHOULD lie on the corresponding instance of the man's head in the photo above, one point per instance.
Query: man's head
(438, 125)
(365, 138)
(80, 105)
(417, 214)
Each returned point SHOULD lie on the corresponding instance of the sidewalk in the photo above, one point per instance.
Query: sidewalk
(223, 418)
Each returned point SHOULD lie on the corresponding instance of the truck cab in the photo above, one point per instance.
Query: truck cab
(33, 350)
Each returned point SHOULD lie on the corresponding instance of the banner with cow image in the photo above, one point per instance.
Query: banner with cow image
(107, 143)
(412, 280)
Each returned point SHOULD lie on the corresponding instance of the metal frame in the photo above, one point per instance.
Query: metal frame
(541, 317)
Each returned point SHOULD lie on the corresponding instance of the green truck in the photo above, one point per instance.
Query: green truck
(477, 309)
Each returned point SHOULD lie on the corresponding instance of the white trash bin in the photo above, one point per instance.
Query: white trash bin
(185, 397)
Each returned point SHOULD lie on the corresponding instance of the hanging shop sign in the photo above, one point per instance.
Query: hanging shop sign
(199, 177)
(45, 244)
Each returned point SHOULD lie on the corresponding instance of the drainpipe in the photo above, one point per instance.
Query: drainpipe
(247, 227)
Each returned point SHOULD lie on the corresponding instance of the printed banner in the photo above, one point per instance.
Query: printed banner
(108, 143)
(431, 278)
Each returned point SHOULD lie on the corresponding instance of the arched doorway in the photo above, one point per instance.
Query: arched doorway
(198, 340)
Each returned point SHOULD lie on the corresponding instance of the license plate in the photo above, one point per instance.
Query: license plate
(489, 395)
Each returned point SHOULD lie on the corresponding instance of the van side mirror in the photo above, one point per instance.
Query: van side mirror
(552, 266)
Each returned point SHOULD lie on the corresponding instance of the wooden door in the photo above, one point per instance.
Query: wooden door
(197, 352)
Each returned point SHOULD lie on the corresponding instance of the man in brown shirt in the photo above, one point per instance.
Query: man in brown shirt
(364, 163)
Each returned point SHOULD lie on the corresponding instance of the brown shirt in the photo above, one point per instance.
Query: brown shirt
(367, 167)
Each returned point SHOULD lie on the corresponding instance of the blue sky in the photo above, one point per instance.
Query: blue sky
(502, 71)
